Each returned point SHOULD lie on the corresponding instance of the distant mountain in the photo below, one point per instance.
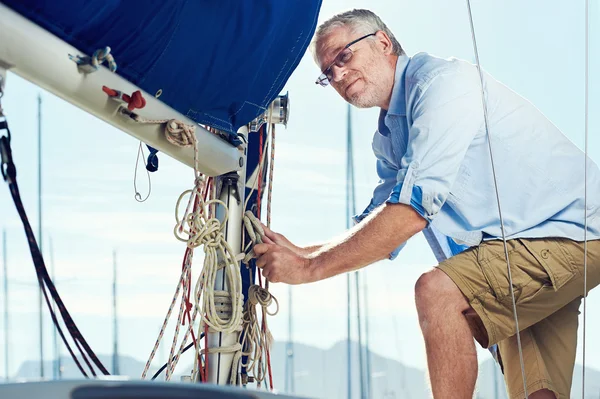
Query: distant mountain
(128, 366)
(323, 374)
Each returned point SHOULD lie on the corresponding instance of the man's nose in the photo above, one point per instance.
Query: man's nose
(339, 73)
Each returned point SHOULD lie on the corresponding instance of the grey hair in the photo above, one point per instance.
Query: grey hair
(360, 22)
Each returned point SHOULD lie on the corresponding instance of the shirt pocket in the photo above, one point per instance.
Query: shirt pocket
(460, 187)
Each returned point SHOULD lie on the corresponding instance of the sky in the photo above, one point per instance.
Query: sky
(535, 47)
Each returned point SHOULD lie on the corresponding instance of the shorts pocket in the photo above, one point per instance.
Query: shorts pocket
(554, 257)
(535, 266)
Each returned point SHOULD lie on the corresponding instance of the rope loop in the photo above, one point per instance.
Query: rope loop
(179, 133)
(101, 55)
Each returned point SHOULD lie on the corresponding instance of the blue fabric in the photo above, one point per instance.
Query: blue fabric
(152, 162)
(432, 154)
(218, 62)
(416, 198)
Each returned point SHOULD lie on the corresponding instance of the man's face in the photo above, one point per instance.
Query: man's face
(362, 80)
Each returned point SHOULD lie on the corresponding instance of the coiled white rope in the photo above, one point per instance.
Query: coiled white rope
(221, 311)
(257, 338)
(257, 341)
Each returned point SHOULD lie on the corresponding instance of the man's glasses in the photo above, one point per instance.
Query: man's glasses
(340, 60)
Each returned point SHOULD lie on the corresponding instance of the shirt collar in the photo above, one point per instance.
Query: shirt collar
(398, 100)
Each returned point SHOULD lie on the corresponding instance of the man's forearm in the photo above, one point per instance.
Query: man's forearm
(309, 250)
(368, 242)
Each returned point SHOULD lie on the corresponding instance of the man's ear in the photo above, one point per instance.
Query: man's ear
(384, 42)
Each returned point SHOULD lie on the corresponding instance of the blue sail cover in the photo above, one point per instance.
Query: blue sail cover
(221, 63)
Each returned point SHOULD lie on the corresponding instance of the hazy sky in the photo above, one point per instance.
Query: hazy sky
(535, 47)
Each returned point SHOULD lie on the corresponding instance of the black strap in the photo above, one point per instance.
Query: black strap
(9, 173)
(7, 166)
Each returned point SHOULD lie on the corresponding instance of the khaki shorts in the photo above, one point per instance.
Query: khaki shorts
(547, 277)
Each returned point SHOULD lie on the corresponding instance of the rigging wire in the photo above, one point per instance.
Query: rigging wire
(487, 130)
(585, 170)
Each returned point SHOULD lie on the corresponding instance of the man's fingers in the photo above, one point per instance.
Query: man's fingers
(263, 248)
(266, 271)
(261, 261)
(269, 233)
(267, 240)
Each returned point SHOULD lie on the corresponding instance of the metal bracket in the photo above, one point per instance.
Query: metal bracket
(231, 179)
(278, 112)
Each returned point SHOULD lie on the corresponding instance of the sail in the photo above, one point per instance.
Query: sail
(220, 63)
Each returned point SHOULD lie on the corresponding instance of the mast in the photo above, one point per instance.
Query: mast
(289, 361)
(115, 357)
(495, 373)
(350, 212)
(6, 326)
(39, 237)
(369, 389)
(361, 380)
(348, 283)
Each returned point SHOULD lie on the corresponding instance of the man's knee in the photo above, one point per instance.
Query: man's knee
(435, 291)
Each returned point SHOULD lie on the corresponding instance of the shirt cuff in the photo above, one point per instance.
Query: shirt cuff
(359, 218)
(415, 201)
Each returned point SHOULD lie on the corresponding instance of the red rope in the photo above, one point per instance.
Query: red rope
(187, 294)
(206, 355)
(260, 170)
(269, 367)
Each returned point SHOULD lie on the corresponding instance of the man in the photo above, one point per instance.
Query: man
(433, 158)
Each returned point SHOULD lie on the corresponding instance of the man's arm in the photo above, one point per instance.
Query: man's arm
(370, 241)
(307, 251)
(373, 239)
(282, 240)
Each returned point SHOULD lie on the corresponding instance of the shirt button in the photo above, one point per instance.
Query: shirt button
(544, 253)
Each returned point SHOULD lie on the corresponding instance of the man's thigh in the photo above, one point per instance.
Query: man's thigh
(547, 274)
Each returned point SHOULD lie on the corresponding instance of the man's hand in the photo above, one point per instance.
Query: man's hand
(280, 264)
(280, 240)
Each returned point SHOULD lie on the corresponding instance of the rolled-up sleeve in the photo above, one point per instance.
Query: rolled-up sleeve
(445, 115)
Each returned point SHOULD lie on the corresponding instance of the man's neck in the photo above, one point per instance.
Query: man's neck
(386, 105)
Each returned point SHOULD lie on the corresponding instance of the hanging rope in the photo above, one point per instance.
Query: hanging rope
(487, 130)
(184, 275)
(271, 170)
(221, 311)
(257, 336)
(138, 196)
(47, 287)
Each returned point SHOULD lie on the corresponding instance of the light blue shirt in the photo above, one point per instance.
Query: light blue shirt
(432, 154)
